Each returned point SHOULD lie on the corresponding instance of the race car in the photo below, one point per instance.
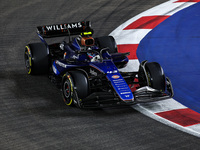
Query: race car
(86, 69)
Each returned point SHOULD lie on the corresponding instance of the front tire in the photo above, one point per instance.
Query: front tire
(71, 95)
(151, 74)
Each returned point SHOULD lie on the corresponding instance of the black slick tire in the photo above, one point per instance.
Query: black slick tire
(36, 58)
(155, 75)
(107, 41)
(67, 89)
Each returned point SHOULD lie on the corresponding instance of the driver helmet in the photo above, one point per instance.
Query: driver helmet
(86, 40)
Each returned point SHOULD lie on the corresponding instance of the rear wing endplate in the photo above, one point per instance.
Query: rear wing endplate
(66, 29)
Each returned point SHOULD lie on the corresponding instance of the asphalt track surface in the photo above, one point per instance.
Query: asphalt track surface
(32, 113)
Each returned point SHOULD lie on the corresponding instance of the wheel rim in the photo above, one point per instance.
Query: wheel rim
(27, 58)
(66, 89)
(27, 63)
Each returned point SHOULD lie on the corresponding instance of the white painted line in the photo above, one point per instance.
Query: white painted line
(132, 66)
(193, 130)
(133, 36)
(161, 106)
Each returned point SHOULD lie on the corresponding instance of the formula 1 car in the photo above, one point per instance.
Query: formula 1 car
(86, 68)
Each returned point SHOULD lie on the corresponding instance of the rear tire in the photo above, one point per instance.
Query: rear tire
(107, 41)
(36, 58)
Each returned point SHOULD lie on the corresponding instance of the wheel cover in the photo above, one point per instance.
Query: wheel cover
(28, 60)
(67, 89)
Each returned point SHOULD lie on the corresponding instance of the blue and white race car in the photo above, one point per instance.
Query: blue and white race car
(86, 68)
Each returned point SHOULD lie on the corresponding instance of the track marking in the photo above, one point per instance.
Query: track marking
(184, 117)
(146, 22)
(128, 36)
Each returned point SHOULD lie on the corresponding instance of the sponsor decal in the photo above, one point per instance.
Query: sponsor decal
(54, 69)
(63, 26)
(61, 64)
(114, 71)
(125, 93)
(115, 76)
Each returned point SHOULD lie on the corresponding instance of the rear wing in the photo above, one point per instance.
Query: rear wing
(67, 29)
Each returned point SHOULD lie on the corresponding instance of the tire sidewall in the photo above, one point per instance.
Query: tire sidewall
(155, 76)
(28, 59)
(67, 81)
(38, 58)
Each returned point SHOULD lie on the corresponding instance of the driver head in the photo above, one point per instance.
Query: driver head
(86, 40)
